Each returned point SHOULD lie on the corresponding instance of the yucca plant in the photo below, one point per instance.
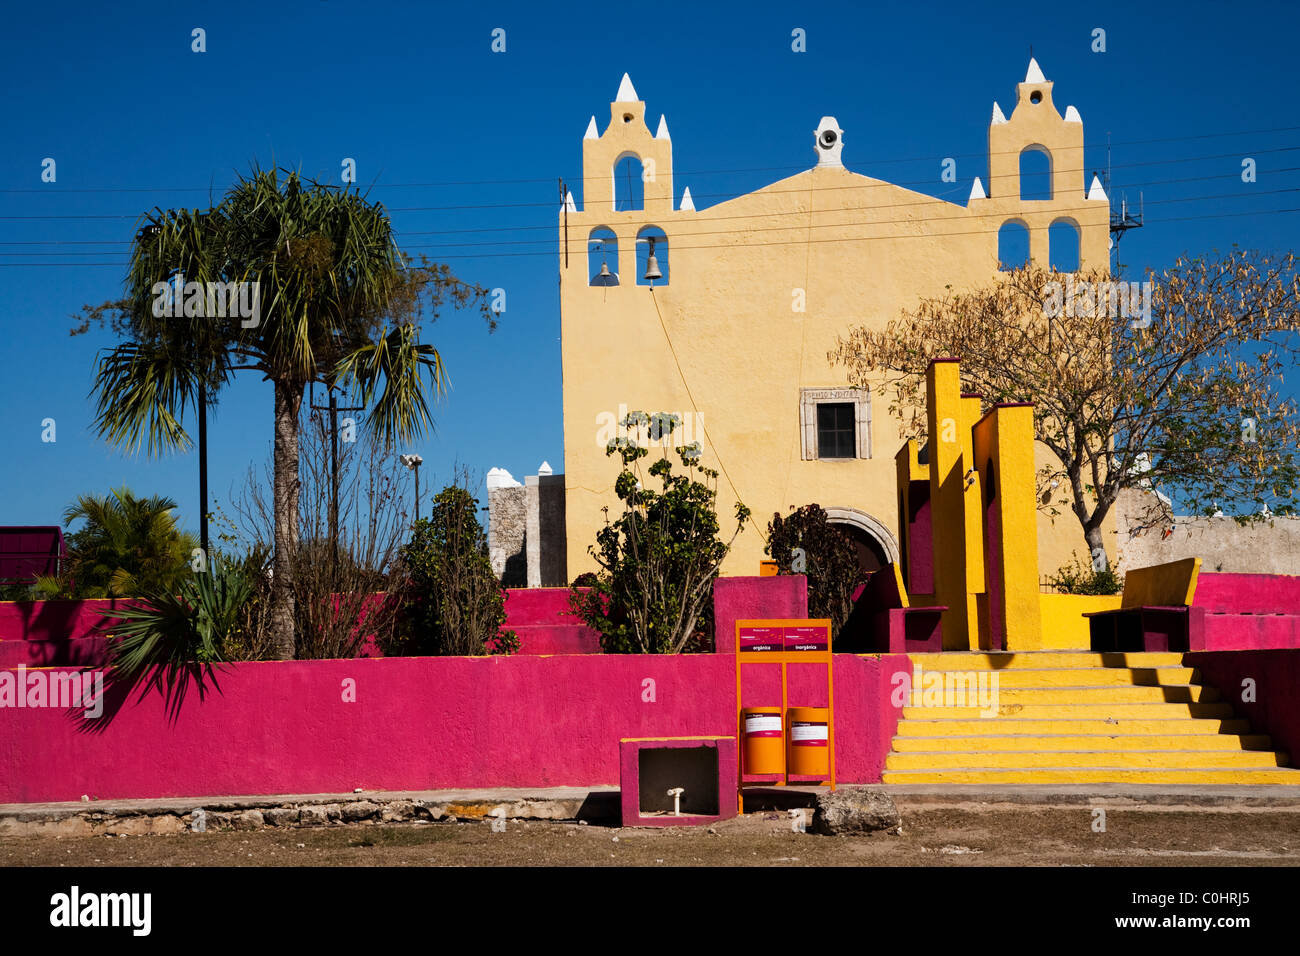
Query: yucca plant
(166, 639)
(339, 304)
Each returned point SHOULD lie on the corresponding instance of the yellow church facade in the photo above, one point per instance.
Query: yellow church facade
(734, 336)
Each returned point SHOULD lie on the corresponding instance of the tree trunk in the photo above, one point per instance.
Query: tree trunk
(288, 400)
(1096, 547)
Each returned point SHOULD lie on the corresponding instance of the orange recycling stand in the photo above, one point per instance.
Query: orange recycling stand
(791, 741)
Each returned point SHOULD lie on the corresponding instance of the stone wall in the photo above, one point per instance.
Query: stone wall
(1271, 546)
(507, 540)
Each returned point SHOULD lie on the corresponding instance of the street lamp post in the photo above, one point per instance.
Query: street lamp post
(414, 462)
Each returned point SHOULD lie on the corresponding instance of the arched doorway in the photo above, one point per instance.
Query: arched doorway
(873, 542)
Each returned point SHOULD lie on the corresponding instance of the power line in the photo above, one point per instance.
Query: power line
(890, 238)
(675, 240)
(679, 234)
(726, 196)
(697, 172)
(928, 200)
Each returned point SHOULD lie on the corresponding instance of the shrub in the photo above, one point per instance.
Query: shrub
(657, 560)
(166, 639)
(456, 605)
(1077, 578)
(826, 556)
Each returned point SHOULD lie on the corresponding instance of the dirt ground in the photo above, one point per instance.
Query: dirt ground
(976, 835)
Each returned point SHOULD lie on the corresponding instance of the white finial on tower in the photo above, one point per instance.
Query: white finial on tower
(1095, 191)
(500, 478)
(688, 204)
(1072, 115)
(569, 204)
(997, 115)
(544, 468)
(1034, 74)
(977, 190)
(662, 132)
(592, 132)
(626, 93)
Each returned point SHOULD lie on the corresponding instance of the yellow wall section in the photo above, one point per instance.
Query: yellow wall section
(1064, 627)
(723, 339)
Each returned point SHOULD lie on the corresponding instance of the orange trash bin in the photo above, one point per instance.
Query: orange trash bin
(764, 748)
(808, 753)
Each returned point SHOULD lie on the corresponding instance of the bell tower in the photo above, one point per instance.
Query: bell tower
(627, 135)
(1035, 125)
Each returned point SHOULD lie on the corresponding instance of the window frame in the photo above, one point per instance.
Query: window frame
(810, 398)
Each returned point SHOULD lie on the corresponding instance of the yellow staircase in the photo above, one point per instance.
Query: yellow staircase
(1075, 717)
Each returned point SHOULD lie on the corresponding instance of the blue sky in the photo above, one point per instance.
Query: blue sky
(434, 118)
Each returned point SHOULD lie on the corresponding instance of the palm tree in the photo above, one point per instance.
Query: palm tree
(338, 304)
(127, 546)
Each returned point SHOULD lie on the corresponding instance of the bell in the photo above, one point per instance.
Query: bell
(652, 265)
(605, 277)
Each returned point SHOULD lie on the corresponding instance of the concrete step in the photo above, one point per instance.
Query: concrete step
(1199, 776)
(1183, 727)
(1074, 711)
(977, 660)
(996, 742)
(1177, 694)
(1073, 676)
(1129, 759)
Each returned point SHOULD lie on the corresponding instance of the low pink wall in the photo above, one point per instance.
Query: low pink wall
(53, 633)
(416, 724)
(1276, 673)
(1247, 593)
(741, 598)
(541, 619)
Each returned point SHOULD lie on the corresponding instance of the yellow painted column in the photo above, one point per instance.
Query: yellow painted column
(1013, 468)
(947, 499)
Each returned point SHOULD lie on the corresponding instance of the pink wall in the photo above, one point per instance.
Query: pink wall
(781, 596)
(416, 724)
(49, 633)
(1245, 611)
(541, 618)
(1248, 593)
(1276, 708)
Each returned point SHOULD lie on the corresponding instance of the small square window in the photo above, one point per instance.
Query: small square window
(836, 436)
(834, 423)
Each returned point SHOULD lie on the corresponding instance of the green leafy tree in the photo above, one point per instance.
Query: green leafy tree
(127, 546)
(337, 303)
(659, 558)
(1188, 394)
(805, 542)
(456, 605)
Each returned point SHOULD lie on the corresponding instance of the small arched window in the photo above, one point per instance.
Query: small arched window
(1035, 173)
(602, 257)
(1063, 245)
(651, 238)
(1013, 245)
(629, 187)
